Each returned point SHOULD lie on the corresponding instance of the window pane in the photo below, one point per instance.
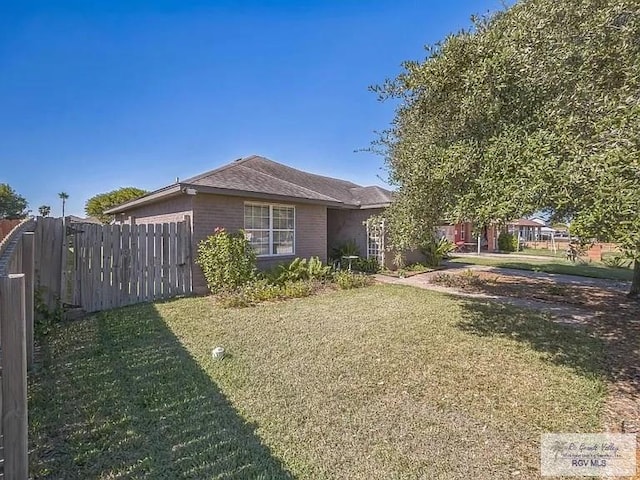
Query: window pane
(256, 217)
(282, 243)
(283, 218)
(259, 241)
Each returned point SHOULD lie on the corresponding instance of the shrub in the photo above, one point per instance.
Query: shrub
(301, 269)
(507, 242)
(366, 265)
(463, 280)
(262, 290)
(318, 271)
(616, 261)
(417, 267)
(347, 280)
(347, 249)
(436, 250)
(227, 260)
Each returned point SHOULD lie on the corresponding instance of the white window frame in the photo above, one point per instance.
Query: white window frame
(271, 230)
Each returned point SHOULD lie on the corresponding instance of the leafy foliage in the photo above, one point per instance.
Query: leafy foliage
(436, 250)
(347, 280)
(535, 108)
(507, 242)
(12, 204)
(44, 210)
(616, 261)
(303, 269)
(97, 204)
(366, 265)
(227, 260)
(262, 290)
(348, 248)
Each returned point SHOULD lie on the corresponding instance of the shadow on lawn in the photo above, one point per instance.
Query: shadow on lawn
(562, 344)
(608, 348)
(120, 397)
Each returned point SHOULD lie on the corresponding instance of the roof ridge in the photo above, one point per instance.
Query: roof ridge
(294, 184)
(234, 163)
(303, 171)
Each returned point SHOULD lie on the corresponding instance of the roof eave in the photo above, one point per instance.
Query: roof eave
(262, 195)
(162, 193)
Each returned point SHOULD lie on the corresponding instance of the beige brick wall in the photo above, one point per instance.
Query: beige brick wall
(211, 211)
(172, 209)
(347, 225)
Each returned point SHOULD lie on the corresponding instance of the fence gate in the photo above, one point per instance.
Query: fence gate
(115, 265)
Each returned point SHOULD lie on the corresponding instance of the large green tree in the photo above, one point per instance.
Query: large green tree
(12, 204)
(535, 108)
(97, 204)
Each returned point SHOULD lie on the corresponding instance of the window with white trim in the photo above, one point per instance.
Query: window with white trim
(270, 228)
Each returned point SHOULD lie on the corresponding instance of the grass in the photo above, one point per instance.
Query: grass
(565, 267)
(382, 382)
(544, 252)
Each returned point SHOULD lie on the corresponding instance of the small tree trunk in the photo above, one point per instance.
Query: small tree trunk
(634, 292)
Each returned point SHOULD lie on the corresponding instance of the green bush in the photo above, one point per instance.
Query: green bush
(366, 265)
(302, 269)
(347, 249)
(507, 242)
(436, 250)
(616, 261)
(227, 261)
(347, 280)
(417, 267)
(262, 290)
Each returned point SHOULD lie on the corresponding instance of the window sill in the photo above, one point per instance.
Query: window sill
(276, 255)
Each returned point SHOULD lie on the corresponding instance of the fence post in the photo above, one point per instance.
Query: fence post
(28, 260)
(14, 376)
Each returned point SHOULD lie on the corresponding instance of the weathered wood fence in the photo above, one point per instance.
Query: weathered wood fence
(6, 226)
(17, 277)
(115, 265)
(92, 266)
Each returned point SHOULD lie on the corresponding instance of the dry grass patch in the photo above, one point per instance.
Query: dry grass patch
(381, 382)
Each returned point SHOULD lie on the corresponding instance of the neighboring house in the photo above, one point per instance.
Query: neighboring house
(285, 212)
(526, 230)
(75, 219)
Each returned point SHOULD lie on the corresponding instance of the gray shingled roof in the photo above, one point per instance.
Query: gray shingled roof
(261, 176)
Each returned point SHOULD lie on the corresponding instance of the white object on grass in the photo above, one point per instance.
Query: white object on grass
(217, 353)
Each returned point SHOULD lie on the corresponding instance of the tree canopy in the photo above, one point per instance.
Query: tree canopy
(97, 204)
(535, 108)
(12, 205)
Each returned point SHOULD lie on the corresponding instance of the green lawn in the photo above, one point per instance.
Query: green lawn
(380, 382)
(552, 265)
(545, 252)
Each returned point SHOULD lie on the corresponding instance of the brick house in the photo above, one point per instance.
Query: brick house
(285, 212)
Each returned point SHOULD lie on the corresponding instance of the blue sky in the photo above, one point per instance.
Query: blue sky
(97, 95)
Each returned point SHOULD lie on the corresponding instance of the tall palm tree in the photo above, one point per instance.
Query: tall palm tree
(64, 196)
(44, 210)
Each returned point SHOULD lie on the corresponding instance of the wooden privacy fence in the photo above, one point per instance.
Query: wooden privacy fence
(6, 226)
(116, 265)
(17, 277)
(50, 240)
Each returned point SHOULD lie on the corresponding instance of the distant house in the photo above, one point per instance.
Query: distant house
(76, 219)
(285, 212)
(526, 230)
